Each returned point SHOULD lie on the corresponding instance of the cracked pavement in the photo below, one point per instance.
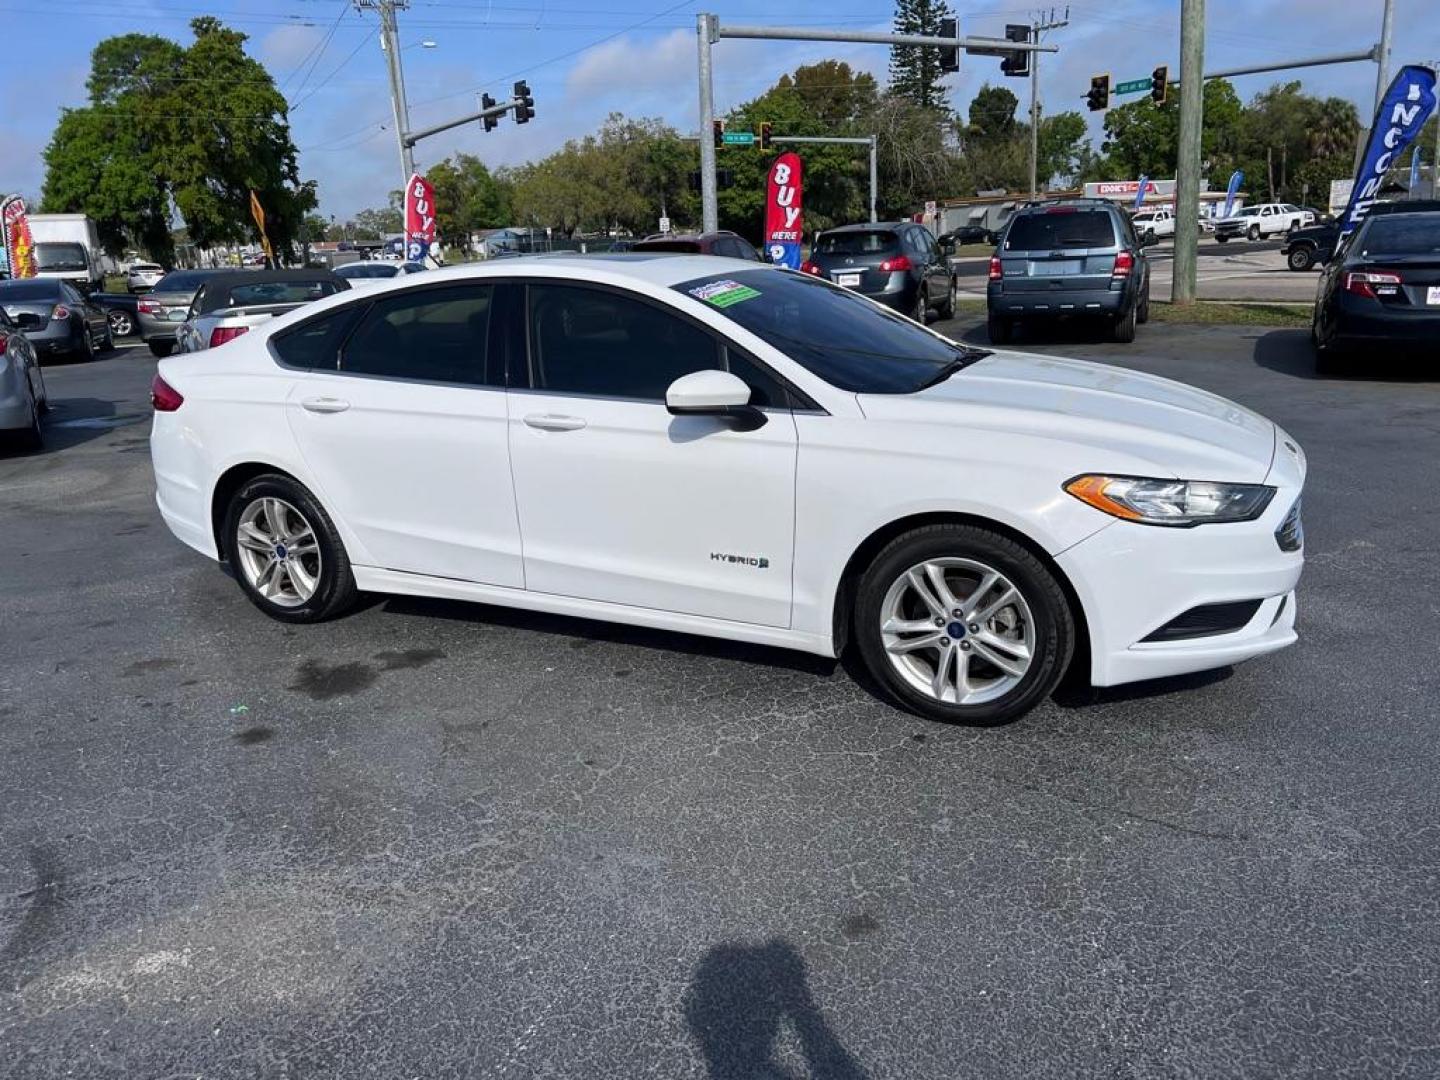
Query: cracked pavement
(442, 840)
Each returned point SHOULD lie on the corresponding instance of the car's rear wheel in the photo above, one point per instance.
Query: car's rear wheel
(1142, 311)
(963, 625)
(1124, 329)
(947, 310)
(120, 323)
(999, 328)
(918, 312)
(1301, 258)
(286, 552)
(86, 349)
(162, 349)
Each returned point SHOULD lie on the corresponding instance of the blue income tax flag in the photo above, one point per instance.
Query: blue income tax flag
(1402, 113)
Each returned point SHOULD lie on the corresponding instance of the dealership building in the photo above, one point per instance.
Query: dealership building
(991, 209)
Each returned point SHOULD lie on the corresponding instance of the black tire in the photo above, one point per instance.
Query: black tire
(921, 308)
(1142, 310)
(1124, 329)
(1054, 625)
(161, 349)
(108, 343)
(1000, 329)
(335, 585)
(1222, 239)
(121, 324)
(86, 349)
(1254, 233)
(947, 309)
(1301, 258)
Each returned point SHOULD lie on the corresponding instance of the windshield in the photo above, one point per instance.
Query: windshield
(1061, 227)
(1249, 211)
(29, 290)
(61, 257)
(850, 342)
(1402, 234)
(368, 270)
(856, 243)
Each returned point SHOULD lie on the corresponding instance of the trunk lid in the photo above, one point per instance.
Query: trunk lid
(853, 258)
(1059, 248)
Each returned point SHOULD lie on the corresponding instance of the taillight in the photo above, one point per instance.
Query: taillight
(60, 312)
(899, 262)
(1364, 282)
(997, 270)
(222, 334)
(163, 396)
(4, 343)
(1124, 263)
(148, 307)
(807, 267)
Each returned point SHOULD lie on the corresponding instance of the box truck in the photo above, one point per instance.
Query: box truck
(67, 246)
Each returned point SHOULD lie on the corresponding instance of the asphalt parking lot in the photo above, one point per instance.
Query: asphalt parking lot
(437, 840)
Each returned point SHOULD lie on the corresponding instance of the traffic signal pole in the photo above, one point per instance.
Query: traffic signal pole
(708, 31)
(1187, 173)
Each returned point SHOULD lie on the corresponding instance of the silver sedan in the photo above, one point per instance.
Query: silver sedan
(22, 387)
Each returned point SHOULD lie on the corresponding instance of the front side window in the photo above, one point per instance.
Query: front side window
(432, 335)
(592, 341)
(848, 341)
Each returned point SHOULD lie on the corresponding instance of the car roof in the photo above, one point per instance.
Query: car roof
(1414, 206)
(867, 226)
(6, 283)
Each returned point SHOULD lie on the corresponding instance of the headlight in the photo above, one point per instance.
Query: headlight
(1181, 503)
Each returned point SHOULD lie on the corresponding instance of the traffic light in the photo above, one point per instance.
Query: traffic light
(524, 103)
(488, 123)
(1016, 63)
(765, 135)
(1099, 96)
(1159, 84)
(718, 130)
(949, 54)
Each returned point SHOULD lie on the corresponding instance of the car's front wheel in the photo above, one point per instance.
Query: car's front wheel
(285, 551)
(1254, 233)
(963, 625)
(1301, 258)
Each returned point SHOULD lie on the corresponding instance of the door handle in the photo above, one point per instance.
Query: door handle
(324, 405)
(551, 422)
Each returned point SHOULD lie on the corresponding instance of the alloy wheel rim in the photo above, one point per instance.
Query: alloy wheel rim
(279, 552)
(120, 324)
(957, 631)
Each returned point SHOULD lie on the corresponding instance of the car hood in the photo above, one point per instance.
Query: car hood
(1130, 420)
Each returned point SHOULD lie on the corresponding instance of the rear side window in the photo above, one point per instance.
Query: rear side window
(856, 243)
(1051, 229)
(315, 345)
(432, 335)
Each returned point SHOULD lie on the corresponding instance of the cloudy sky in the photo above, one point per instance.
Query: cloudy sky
(586, 58)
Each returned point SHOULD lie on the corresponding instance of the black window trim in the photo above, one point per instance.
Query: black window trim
(360, 311)
(800, 402)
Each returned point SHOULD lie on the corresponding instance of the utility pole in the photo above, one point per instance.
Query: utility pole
(1187, 173)
(1039, 27)
(706, 32)
(390, 45)
(1382, 54)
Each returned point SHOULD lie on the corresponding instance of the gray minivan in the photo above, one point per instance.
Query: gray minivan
(1071, 258)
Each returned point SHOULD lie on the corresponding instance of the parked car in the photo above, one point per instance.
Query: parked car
(56, 317)
(164, 308)
(965, 234)
(363, 274)
(1311, 246)
(121, 309)
(1076, 258)
(726, 243)
(228, 305)
(740, 451)
(143, 276)
(897, 263)
(67, 246)
(1154, 223)
(1261, 220)
(22, 387)
(1382, 288)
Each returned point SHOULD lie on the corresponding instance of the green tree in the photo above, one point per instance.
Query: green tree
(467, 197)
(915, 72)
(1064, 145)
(194, 129)
(376, 224)
(992, 116)
(1143, 139)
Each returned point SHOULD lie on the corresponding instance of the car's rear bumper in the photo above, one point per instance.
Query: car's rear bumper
(57, 339)
(1056, 303)
(1360, 321)
(179, 494)
(153, 329)
(1133, 580)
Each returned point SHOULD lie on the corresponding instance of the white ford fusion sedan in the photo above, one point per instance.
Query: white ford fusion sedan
(703, 445)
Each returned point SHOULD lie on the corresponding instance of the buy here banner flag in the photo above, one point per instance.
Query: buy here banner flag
(783, 224)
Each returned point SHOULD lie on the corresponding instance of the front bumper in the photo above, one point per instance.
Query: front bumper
(1055, 303)
(1134, 579)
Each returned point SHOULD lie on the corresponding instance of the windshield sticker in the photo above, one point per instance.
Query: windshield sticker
(724, 293)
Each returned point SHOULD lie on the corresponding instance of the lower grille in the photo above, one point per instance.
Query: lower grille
(1291, 533)
(1206, 620)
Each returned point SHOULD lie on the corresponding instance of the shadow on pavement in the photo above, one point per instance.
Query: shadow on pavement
(735, 1006)
(73, 421)
(1077, 693)
(1290, 352)
(582, 629)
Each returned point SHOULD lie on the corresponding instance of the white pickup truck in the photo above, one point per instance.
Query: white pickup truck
(1263, 219)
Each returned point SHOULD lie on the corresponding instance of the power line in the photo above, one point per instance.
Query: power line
(318, 51)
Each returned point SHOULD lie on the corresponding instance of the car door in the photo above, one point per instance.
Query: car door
(402, 423)
(91, 315)
(621, 502)
(937, 269)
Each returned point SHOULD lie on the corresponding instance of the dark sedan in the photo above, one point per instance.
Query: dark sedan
(55, 317)
(1381, 289)
(897, 263)
(966, 234)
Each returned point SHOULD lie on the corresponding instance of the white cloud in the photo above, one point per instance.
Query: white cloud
(282, 49)
(630, 67)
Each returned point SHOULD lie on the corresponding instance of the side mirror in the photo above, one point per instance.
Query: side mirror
(713, 393)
